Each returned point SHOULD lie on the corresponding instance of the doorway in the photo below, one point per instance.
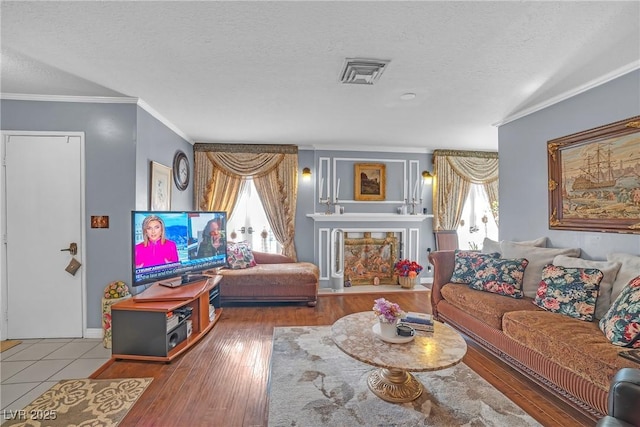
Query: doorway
(43, 197)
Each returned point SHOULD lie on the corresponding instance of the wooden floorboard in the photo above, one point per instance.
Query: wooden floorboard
(223, 380)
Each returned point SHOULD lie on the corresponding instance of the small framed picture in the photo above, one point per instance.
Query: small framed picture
(160, 187)
(370, 181)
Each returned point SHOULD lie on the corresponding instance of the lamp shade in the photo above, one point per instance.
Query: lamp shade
(306, 174)
(427, 178)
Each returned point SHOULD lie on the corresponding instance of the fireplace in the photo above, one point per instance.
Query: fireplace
(367, 257)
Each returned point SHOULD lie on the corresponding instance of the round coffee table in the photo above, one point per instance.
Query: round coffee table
(393, 382)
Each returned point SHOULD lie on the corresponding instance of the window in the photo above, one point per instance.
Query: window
(477, 220)
(249, 222)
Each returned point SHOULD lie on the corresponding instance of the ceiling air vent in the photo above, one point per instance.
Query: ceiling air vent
(362, 71)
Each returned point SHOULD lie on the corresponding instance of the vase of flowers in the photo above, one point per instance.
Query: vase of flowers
(407, 272)
(388, 314)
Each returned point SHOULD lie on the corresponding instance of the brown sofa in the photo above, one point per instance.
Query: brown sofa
(275, 278)
(570, 357)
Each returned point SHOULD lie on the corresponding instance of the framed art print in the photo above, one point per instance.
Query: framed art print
(160, 187)
(594, 179)
(370, 181)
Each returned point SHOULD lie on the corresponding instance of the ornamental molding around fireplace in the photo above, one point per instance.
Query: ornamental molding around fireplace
(405, 243)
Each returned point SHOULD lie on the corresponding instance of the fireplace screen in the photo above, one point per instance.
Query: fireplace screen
(366, 258)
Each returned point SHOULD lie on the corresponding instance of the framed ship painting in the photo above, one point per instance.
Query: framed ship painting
(594, 179)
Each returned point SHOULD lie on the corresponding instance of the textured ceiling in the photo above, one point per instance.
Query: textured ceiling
(269, 71)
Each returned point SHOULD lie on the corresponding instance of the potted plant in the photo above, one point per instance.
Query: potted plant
(407, 272)
(388, 313)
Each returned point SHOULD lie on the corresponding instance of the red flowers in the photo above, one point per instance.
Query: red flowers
(406, 268)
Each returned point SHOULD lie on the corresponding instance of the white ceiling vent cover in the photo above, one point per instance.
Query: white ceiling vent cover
(359, 71)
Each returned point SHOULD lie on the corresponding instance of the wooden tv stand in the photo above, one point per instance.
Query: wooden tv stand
(139, 324)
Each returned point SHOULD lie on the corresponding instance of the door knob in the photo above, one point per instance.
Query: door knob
(73, 248)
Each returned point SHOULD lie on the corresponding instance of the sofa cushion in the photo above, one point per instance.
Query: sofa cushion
(621, 324)
(467, 263)
(608, 268)
(576, 345)
(501, 276)
(490, 246)
(538, 258)
(239, 256)
(484, 306)
(628, 270)
(569, 291)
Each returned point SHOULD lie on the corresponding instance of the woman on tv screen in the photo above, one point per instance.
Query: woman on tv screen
(155, 249)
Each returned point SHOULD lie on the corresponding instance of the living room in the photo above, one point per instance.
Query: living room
(122, 137)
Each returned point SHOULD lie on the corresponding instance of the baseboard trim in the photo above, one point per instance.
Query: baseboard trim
(93, 333)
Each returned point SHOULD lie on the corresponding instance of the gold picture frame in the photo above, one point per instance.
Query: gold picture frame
(160, 187)
(594, 179)
(370, 181)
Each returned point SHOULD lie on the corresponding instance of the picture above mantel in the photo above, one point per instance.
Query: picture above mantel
(368, 217)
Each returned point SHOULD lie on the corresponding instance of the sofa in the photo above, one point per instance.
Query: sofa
(624, 395)
(266, 277)
(570, 357)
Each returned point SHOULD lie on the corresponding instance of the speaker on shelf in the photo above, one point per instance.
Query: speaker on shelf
(177, 335)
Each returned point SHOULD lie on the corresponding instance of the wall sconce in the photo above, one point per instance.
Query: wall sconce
(427, 178)
(306, 174)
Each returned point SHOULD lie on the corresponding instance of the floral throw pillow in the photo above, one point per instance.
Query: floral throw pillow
(501, 276)
(621, 324)
(569, 291)
(467, 263)
(239, 256)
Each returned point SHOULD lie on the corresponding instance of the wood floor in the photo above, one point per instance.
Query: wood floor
(223, 380)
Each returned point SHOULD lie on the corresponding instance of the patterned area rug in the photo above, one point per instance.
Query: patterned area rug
(313, 383)
(81, 402)
(7, 344)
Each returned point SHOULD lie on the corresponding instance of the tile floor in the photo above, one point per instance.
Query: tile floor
(33, 366)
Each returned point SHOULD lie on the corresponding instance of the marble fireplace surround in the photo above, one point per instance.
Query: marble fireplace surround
(406, 228)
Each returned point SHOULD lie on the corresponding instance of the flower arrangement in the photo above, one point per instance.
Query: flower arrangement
(116, 290)
(387, 311)
(406, 268)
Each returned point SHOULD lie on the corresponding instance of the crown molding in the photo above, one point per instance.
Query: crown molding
(571, 93)
(343, 147)
(142, 104)
(69, 98)
(99, 100)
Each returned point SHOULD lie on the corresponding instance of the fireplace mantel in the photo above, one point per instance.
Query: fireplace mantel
(368, 217)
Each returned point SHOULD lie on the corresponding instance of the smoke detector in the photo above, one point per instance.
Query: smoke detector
(360, 71)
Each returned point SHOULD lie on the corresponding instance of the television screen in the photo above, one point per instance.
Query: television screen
(169, 245)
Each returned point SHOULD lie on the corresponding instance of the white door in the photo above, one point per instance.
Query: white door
(43, 196)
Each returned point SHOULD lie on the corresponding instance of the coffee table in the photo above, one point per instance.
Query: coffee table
(393, 382)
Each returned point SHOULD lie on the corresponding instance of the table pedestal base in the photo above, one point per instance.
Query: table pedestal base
(394, 385)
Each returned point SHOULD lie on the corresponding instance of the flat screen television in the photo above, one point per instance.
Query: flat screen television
(168, 247)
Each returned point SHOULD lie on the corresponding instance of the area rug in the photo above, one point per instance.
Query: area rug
(7, 344)
(81, 402)
(313, 383)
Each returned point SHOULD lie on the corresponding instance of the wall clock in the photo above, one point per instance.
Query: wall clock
(181, 172)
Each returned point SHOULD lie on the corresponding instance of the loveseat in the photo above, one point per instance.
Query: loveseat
(270, 278)
(571, 357)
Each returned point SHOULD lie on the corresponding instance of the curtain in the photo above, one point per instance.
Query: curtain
(220, 171)
(454, 172)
